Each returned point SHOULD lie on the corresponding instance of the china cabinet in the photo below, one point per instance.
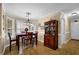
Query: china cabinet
(51, 34)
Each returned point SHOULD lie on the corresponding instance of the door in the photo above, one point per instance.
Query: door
(75, 30)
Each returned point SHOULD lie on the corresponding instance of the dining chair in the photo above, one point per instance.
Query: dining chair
(27, 40)
(11, 40)
(34, 38)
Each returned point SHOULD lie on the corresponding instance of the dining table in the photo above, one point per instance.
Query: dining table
(19, 36)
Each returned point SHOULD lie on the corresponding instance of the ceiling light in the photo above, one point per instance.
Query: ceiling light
(74, 13)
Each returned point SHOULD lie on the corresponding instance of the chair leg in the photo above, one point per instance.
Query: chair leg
(32, 43)
(22, 42)
(10, 46)
(26, 42)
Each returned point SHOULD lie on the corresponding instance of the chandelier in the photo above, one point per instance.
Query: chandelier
(28, 20)
(28, 15)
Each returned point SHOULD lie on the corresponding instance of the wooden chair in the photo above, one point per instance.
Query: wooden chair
(11, 40)
(27, 39)
(34, 38)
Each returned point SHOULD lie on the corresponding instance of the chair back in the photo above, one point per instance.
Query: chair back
(29, 34)
(9, 36)
(35, 35)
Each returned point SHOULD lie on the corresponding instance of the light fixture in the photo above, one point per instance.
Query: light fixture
(28, 19)
(27, 15)
(74, 13)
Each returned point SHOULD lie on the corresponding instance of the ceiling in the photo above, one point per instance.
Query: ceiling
(38, 10)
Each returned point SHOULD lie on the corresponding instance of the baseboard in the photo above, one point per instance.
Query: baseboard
(74, 39)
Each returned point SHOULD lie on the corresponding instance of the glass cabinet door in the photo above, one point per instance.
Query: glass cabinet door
(47, 29)
(53, 28)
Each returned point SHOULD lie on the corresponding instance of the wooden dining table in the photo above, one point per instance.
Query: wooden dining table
(18, 36)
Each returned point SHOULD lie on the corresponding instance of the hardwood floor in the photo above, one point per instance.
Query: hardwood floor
(71, 48)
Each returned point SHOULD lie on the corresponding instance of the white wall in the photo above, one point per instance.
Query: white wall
(62, 31)
(20, 25)
(2, 29)
(64, 36)
(67, 29)
(75, 30)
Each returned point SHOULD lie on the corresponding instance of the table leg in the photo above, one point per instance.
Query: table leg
(36, 41)
(17, 42)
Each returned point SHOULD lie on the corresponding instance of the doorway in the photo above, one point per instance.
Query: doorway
(75, 30)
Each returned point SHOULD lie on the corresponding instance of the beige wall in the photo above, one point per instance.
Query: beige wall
(53, 16)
